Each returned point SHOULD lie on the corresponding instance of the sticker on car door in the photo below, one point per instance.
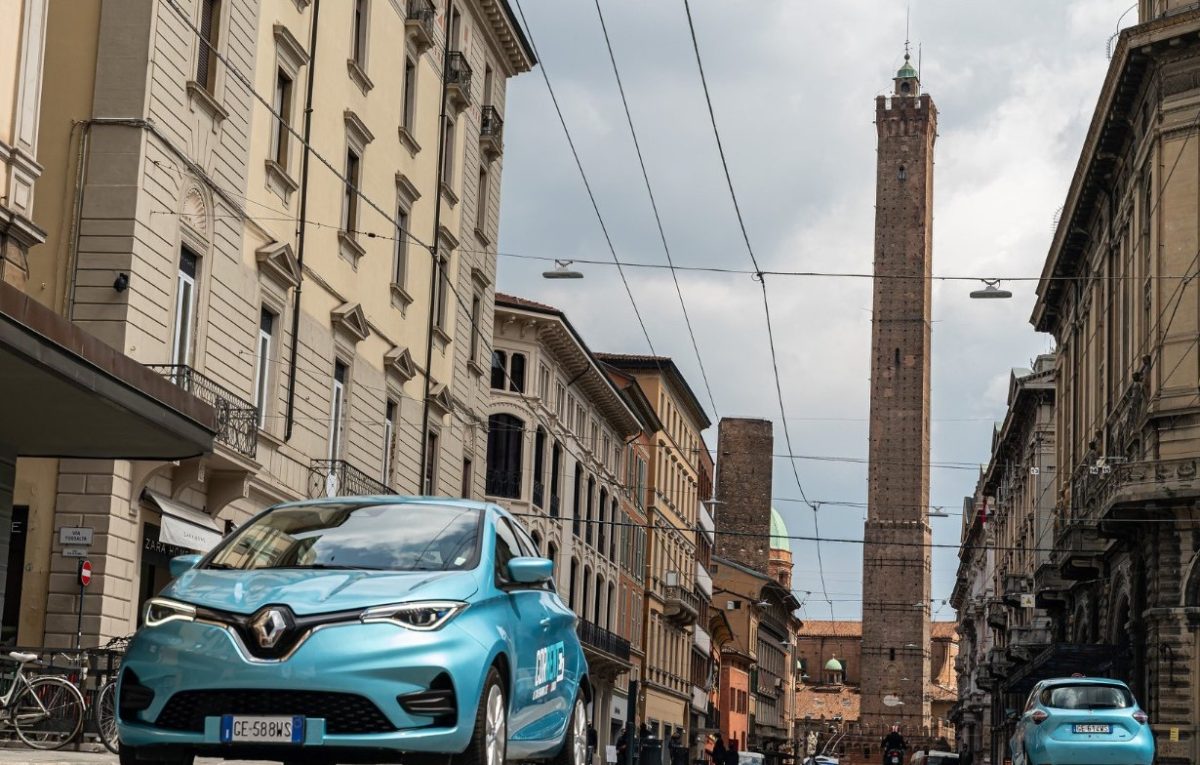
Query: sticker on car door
(550, 668)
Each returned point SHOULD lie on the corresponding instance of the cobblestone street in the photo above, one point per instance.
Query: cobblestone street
(21, 756)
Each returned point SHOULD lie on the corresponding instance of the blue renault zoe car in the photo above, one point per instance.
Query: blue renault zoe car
(368, 629)
(1082, 721)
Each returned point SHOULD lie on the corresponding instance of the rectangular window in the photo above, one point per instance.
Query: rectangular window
(543, 382)
(487, 85)
(448, 152)
(499, 370)
(560, 399)
(185, 308)
(389, 439)
(454, 28)
(481, 203)
(283, 118)
(429, 474)
(359, 43)
(467, 477)
(442, 292)
(266, 334)
(516, 374)
(400, 257)
(337, 409)
(210, 36)
(476, 317)
(409, 97)
(350, 198)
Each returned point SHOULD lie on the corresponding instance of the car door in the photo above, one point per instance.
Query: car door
(527, 622)
(558, 630)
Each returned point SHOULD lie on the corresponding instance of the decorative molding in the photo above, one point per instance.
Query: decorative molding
(398, 361)
(439, 398)
(406, 189)
(448, 236)
(198, 94)
(349, 319)
(409, 141)
(356, 130)
(289, 48)
(277, 262)
(400, 297)
(350, 249)
(449, 194)
(480, 278)
(194, 211)
(278, 181)
(359, 76)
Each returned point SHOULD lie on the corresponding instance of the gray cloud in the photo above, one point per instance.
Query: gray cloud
(793, 84)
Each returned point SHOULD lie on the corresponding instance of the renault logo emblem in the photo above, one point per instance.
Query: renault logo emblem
(269, 627)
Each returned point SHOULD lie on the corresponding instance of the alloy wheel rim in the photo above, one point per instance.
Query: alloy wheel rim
(580, 734)
(496, 727)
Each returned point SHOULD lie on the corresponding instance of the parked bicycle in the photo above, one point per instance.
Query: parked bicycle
(102, 708)
(46, 711)
(105, 707)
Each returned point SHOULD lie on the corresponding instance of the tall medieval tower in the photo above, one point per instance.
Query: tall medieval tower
(896, 556)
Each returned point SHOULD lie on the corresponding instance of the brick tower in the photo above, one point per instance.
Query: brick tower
(896, 556)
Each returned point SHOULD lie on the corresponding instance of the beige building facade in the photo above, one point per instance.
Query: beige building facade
(333, 306)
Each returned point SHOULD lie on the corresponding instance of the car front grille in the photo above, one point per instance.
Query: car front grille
(342, 712)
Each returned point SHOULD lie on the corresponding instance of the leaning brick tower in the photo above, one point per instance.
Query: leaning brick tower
(896, 556)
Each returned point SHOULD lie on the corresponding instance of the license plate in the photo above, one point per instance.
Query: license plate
(267, 730)
(1092, 728)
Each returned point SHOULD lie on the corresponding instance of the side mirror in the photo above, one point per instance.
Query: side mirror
(530, 570)
(181, 564)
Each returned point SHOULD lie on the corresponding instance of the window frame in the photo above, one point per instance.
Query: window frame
(408, 99)
(184, 325)
(429, 471)
(208, 47)
(338, 403)
(359, 33)
(281, 120)
(353, 174)
(391, 409)
(264, 357)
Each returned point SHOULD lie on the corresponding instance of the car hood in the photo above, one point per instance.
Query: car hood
(308, 591)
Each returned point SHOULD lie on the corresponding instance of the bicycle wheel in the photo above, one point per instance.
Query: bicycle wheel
(106, 717)
(48, 714)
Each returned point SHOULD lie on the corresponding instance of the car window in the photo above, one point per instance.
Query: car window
(507, 548)
(528, 548)
(394, 536)
(1031, 702)
(1087, 696)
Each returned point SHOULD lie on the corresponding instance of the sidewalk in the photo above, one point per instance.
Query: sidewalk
(21, 756)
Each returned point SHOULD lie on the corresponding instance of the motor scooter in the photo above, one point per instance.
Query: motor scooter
(893, 757)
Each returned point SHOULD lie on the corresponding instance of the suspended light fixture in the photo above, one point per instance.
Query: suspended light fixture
(561, 271)
(990, 291)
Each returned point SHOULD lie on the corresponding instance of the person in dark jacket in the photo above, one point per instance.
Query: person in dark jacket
(717, 755)
(731, 754)
(677, 751)
(591, 743)
(894, 740)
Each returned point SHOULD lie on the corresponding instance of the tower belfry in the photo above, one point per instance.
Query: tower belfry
(896, 556)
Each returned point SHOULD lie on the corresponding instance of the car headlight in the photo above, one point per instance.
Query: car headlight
(423, 616)
(161, 610)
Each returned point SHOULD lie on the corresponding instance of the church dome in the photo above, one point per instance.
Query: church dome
(833, 665)
(779, 532)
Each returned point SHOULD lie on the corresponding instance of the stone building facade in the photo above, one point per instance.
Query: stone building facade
(333, 305)
(558, 458)
(896, 553)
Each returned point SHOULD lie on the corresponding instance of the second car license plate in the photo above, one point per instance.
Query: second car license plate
(268, 730)
(1092, 728)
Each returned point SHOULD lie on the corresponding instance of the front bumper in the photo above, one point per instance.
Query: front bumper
(377, 663)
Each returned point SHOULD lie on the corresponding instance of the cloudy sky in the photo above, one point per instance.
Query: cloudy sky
(793, 85)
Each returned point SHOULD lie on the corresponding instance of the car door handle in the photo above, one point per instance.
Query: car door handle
(545, 622)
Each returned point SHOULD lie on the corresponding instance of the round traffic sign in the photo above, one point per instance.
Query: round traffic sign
(85, 572)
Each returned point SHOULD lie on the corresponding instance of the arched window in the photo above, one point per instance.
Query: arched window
(506, 435)
(612, 608)
(577, 509)
(614, 515)
(601, 526)
(587, 591)
(552, 554)
(571, 583)
(555, 478)
(539, 467)
(537, 542)
(587, 516)
(597, 607)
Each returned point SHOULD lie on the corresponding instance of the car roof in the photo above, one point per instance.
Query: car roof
(1083, 681)
(391, 499)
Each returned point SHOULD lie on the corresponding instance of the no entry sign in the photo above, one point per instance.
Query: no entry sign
(85, 573)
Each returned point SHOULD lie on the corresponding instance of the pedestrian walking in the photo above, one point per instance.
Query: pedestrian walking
(678, 753)
(731, 754)
(717, 755)
(592, 740)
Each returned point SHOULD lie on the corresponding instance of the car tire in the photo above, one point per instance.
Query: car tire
(489, 738)
(574, 747)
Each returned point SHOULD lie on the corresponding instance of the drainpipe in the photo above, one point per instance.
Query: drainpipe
(435, 253)
(300, 223)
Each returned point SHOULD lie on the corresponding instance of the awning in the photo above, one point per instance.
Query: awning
(68, 394)
(184, 526)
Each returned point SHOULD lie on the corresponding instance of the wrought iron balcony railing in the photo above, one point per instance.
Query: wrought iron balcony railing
(458, 77)
(503, 483)
(421, 23)
(237, 418)
(491, 131)
(338, 478)
(597, 637)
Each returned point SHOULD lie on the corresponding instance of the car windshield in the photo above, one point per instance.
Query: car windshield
(389, 537)
(1086, 696)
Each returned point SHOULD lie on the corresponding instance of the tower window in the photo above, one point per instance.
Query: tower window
(891, 654)
(897, 357)
(905, 88)
(903, 173)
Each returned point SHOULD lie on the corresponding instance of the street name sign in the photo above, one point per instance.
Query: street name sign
(75, 535)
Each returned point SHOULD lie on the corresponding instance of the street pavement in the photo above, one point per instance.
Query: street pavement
(14, 756)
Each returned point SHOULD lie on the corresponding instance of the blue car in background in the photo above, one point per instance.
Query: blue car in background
(1082, 721)
(368, 629)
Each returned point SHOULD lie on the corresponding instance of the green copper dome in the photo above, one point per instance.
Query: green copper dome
(833, 665)
(779, 532)
(907, 71)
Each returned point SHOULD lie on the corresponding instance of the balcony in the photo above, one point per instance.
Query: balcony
(237, 418)
(503, 483)
(682, 606)
(420, 24)
(338, 478)
(1078, 552)
(458, 80)
(997, 615)
(491, 132)
(607, 654)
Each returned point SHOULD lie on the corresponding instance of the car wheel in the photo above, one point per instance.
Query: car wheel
(489, 739)
(574, 748)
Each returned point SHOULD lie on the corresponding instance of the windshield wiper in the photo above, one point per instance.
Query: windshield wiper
(327, 567)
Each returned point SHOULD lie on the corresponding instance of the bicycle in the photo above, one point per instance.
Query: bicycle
(46, 712)
(106, 703)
